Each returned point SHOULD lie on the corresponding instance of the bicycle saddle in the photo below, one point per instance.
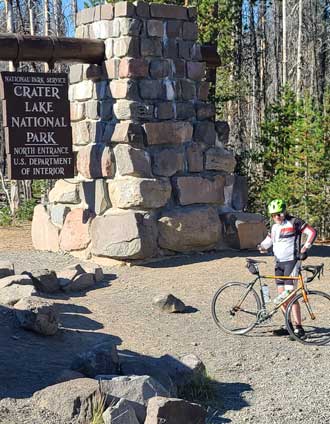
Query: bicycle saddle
(254, 261)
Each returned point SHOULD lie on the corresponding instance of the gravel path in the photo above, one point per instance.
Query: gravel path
(261, 378)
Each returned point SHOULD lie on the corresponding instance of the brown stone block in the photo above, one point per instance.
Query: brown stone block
(160, 69)
(151, 47)
(168, 11)
(190, 31)
(165, 110)
(196, 189)
(188, 89)
(107, 11)
(185, 49)
(189, 229)
(195, 158)
(111, 68)
(170, 48)
(219, 159)
(124, 235)
(95, 161)
(142, 9)
(179, 68)
(132, 161)
(185, 110)
(155, 28)
(133, 68)
(75, 233)
(205, 132)
(203, 90)
(205, 111)
(167, 162)
(124, 8)
(196, 70)
(168, 132)
(145, 193)
(174, 29)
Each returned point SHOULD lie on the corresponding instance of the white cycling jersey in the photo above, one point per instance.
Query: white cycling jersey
(286, 238)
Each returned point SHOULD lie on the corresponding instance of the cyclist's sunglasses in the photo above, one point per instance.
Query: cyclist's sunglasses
(276, 214)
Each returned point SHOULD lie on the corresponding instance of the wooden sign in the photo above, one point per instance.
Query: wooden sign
(36, 120)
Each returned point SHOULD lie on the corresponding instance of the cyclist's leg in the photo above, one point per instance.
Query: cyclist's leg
(279, 272)
(296, 313)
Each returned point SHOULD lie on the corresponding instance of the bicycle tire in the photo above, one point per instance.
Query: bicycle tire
(223, 303)
(318, 329)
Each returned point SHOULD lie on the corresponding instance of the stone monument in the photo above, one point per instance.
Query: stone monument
(153, 175)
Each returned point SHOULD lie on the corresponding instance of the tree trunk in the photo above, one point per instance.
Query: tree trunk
(284, 44)
(299, 59)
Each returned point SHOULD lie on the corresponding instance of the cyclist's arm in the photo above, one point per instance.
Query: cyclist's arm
(311, 234)
(266, 243)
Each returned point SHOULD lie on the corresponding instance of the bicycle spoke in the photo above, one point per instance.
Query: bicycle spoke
(235, 308)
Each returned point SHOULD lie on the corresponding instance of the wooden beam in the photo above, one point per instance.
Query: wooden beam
(25, 48)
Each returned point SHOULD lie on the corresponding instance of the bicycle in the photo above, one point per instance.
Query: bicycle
(237, 307)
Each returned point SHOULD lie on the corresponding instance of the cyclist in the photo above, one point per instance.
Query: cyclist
(285, 237)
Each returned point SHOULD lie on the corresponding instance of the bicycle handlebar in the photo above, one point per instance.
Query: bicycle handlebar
(316, 271)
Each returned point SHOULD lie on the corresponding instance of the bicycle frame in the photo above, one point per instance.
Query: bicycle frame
(269, 314)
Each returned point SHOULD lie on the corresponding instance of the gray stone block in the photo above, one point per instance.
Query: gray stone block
(95, 195)
(131, 161)
(130, 26)
(160, 69)
(168, 162)
(151, 89)
(126, 46)
(205, 132)
(174, 29)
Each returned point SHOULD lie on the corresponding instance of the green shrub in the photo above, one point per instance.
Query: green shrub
(201, 389)
(5, 216)
(25, 211)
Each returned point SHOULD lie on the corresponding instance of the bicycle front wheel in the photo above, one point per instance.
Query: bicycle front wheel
(315, 317)
(235, 308)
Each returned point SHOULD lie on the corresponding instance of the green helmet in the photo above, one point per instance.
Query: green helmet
(276, 206)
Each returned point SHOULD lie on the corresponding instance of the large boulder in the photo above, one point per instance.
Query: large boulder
(11, 294)
(21, 279)
(45, 235)
(37, 315)
(64, 191)
(124, 235)
(134, 364)
(121, 413)
(243, 230)
(70, 399)
(197, 189)
(137, 389)
(75, 232)
(102, 359)
(189, 229)
(145, 193)
(174, 411)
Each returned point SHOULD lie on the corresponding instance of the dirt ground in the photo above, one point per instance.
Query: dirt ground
(16, 237)
(259, 378)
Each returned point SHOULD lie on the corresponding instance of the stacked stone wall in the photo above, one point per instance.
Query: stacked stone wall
(153, 174)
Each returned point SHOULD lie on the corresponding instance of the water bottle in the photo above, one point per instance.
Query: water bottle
(278, 299)
(265, 292)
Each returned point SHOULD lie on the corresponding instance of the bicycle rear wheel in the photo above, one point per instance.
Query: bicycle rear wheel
(315, 317)
(235, 308)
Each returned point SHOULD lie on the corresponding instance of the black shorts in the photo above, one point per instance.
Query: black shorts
(284, 269)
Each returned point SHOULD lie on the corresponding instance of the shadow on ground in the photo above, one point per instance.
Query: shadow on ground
(30, 362)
